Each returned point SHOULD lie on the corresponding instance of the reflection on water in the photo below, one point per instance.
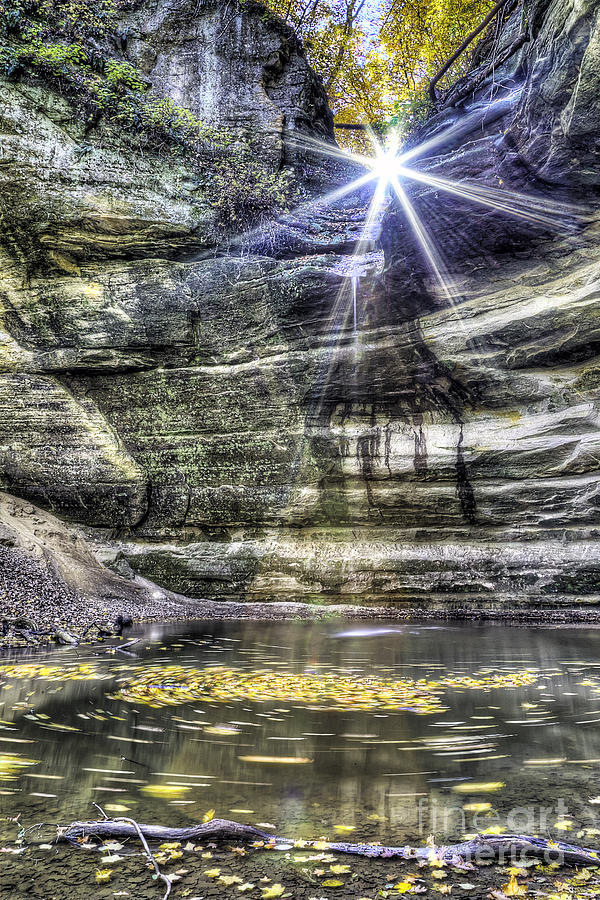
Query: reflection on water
(524, 758)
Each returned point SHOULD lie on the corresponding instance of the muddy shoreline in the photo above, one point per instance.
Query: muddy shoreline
(54, 608)
(51, 574)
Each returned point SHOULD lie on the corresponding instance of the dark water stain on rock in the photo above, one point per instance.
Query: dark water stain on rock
(464, 490)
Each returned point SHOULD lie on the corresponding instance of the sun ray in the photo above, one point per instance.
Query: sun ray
(307, 142)
(426, 244)
(466, 125)
(530, 208)
(245, 238)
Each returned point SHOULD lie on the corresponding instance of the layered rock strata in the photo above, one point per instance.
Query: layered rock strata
(222, 422)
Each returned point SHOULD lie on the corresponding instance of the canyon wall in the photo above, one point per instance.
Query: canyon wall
(217, 418)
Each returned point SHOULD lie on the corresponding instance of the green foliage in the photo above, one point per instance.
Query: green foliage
(122, 77)
(65, 43)
(412, 111)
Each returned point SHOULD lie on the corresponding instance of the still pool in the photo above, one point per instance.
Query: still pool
(495, 727)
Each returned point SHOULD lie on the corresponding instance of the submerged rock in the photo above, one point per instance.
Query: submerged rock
(219, 417)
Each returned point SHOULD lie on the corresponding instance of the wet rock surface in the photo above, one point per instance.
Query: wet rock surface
(216, 412)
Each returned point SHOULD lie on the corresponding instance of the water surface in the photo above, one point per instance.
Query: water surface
(519, 758)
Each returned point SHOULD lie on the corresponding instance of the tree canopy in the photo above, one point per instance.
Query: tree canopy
(376, 56)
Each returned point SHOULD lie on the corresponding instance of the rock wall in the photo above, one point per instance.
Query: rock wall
(217, 420)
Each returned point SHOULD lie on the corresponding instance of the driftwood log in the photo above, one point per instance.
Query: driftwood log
(482, 848)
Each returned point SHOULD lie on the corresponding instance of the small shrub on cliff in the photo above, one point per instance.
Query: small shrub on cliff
(122, 77)
(70, 45)
(247, 192)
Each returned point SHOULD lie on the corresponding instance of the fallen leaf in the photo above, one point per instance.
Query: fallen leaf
(103, 875)
(513, 888)
(231, 879)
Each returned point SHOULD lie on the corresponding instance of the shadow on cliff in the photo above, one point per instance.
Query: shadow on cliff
(377, 380)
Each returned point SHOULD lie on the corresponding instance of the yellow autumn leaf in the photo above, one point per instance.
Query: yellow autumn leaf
(212, 873)
(247, 886)
(344, 829)
(208, 815)
(332, 883)
(513, 888)
(404, 887)
(339, 870)
(271, 893)
(221, 684)
(103, 875)
(231, 879)
(564, 825)
(165, 791)
(478, 787)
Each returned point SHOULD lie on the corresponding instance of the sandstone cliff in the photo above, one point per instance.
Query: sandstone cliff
(209, 414)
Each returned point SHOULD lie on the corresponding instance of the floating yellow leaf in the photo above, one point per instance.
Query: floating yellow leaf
(212, 873)
(208, 815)
(284, 760)
(477, 807)
(172, 685)
(478, 787)
(271, 893)
(332, 883)
(10, 763)
(344, 829)
(339, 870)
(165, 791)
(564, 825)
(79, 672)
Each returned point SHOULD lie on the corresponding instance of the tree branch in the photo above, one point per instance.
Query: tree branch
(481, 848)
